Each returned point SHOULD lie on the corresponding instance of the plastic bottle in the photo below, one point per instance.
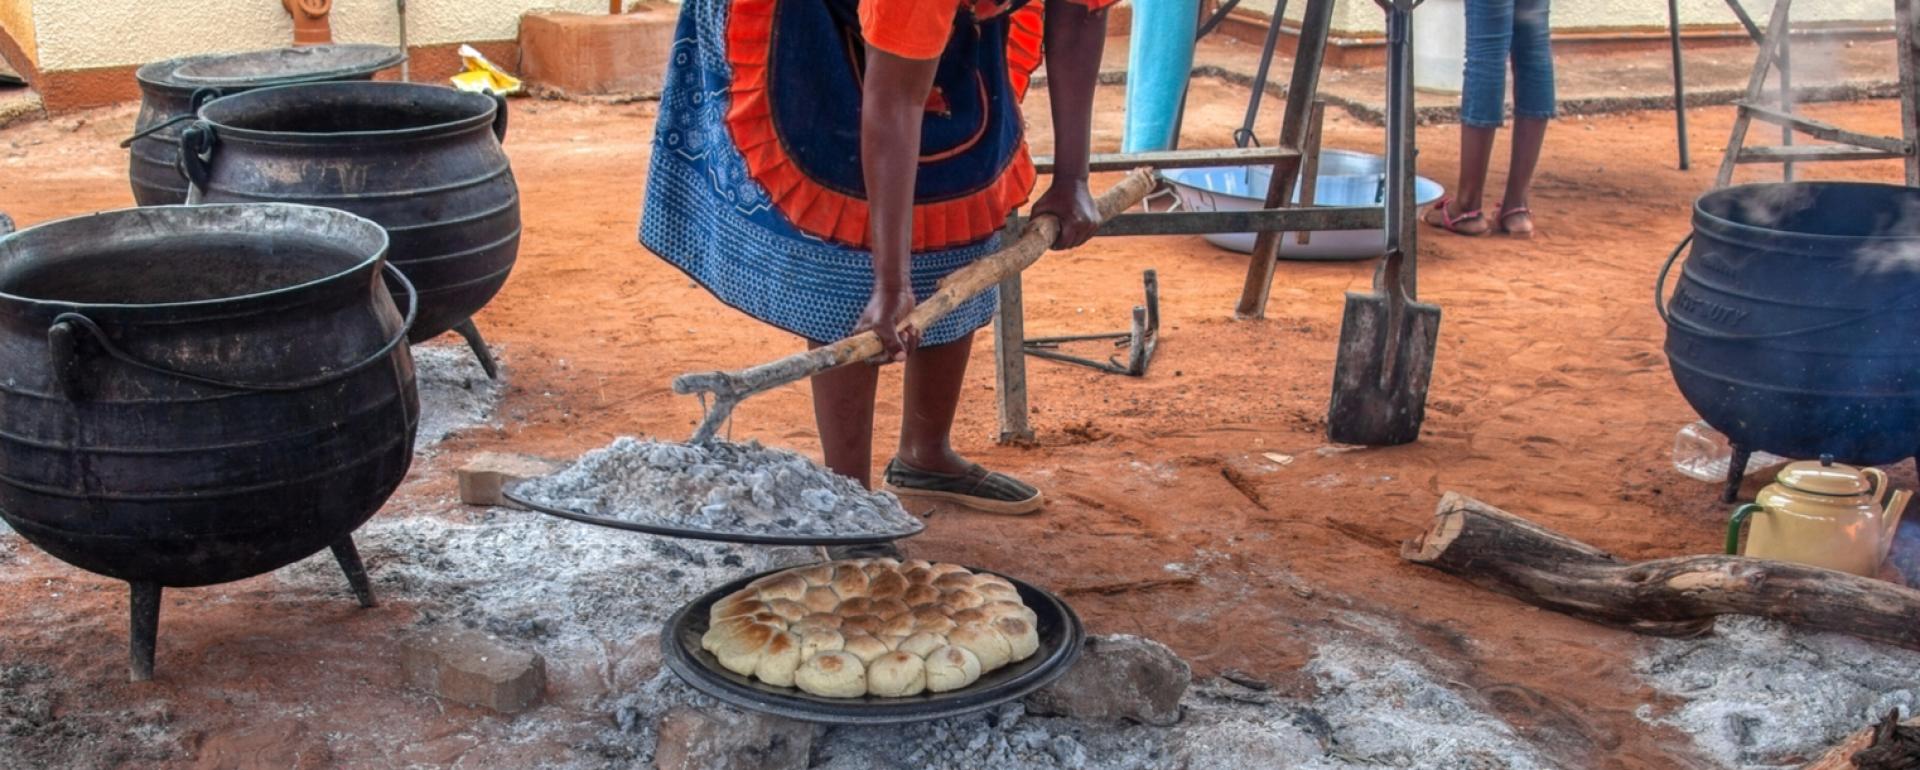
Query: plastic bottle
(1700, 452)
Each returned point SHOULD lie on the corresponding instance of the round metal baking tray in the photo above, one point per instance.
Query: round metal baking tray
(756, 538)
(1061, 637)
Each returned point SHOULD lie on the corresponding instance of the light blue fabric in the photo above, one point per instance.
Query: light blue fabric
(1499, 31)
(1159, 58)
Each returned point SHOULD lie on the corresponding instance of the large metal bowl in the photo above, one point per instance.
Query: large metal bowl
(1345, 179)
(1061, 637)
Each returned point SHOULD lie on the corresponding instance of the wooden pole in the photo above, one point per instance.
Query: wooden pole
(1301, 93)
(1679, 596)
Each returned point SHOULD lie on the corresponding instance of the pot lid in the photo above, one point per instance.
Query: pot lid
(286, 65)
(1825, 478)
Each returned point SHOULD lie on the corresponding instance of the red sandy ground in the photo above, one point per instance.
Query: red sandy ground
(1550, 398)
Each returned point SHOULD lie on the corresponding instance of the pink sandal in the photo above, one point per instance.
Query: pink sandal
(1451, 223)
(1507, 212)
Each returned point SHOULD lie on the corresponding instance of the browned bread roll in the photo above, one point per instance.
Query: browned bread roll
(878, 627)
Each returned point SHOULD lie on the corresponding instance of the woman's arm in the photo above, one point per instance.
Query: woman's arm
(1075, 37)
(892, 104)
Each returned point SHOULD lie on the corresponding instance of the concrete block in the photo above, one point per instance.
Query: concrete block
(587, 54)
(470, 667)
(692, 739)
(483, 477)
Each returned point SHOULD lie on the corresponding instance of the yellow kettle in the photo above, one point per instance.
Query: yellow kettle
(1827, 515)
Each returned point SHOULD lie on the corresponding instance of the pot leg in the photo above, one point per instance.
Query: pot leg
(349, 558)
(471, 333)
(144, 630)
(1736, 472)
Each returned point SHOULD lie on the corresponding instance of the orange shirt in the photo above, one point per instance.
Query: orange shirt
(918, 29)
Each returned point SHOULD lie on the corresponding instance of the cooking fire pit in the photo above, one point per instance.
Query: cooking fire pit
(424, 162)
(195, 395)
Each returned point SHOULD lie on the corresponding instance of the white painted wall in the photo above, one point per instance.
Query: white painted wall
(84, 34)
(1365, 18)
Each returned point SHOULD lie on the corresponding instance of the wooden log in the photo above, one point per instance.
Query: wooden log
(1679, 596)
(1884, 745)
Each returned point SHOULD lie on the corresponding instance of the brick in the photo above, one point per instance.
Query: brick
(483, 477)
(590, 54)
(472, 668)
(1118, 678)
(724, 739)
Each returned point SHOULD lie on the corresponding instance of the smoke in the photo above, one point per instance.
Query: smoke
(1774, 206)
(1898, 251)
(1905, 556)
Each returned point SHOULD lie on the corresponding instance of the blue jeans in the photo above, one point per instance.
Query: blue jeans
(1496, 31)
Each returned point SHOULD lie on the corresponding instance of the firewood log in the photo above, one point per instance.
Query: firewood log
(1678, 596)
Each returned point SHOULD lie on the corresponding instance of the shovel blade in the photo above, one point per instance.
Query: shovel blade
(1384, 367)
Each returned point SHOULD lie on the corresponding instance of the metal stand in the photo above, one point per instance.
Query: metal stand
(1140, 341)
(1775, 56)
(471, 334)
(1289, 157)
(143, 626)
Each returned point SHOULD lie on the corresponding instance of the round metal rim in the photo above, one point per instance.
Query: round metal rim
(1702, 216)
(390, 57)
(1059, 649)
(370, 262)
(229, 131)
(703, 534)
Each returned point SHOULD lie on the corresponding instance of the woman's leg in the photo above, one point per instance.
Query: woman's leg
(1533, 105)
(1483, 96)
(843, 411)
(935, 376)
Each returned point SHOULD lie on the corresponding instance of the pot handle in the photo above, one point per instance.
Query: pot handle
(1740, 516)
(1666, 313)
(65, 356)
(499, 117)
(197, 144)
(194, 103)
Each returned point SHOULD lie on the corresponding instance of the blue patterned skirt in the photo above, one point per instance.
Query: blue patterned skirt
(755, 188)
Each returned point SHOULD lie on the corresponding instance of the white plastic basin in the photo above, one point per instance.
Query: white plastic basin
(1346, 179)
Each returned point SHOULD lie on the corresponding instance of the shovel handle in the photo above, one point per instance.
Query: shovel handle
(958, 287)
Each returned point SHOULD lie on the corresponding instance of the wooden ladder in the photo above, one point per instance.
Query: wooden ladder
(1844, 144)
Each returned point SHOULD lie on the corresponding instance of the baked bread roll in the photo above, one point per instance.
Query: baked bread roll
(833, 675)
(879, 627)
(897, 675)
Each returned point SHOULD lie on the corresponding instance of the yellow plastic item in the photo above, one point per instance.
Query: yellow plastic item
(484, 77)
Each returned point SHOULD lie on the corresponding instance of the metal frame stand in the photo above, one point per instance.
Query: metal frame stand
(1776, 56)
(1288, 155)
(1140, 341)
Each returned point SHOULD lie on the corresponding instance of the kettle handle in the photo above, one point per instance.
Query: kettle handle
(1881, 490)
(1740, 516)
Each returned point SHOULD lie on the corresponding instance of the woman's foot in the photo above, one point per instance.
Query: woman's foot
(966, 484)
(1516, 221)
(1446, 215)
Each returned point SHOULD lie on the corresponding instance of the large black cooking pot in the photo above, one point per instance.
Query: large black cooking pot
(1795, 325)
(172, 91)
(423, 161)
(193, 395)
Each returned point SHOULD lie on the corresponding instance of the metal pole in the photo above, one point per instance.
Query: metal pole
(1244, 136)
(406, 71)
(1785, 68)
(1679, 81)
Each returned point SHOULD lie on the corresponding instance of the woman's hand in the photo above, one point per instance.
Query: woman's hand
(884, 315)
(1072, 203)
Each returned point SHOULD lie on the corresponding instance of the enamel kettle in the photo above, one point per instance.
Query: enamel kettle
(1827, 515)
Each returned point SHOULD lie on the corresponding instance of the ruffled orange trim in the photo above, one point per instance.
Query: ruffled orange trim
(838, 217)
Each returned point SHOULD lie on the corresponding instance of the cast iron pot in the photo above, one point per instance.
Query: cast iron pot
(171, 91)
(194, 395)
(1795, 325)
(423, 161)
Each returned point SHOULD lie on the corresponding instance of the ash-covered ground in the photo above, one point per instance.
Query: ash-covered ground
(455, 393)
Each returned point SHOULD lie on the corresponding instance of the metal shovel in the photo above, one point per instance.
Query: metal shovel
(1386, 337)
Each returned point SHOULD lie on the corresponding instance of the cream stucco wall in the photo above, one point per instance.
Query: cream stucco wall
(84, 34)
(1364, 17)
(16, 20)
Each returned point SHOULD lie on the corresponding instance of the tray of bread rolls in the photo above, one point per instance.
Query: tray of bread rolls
(872, 641)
